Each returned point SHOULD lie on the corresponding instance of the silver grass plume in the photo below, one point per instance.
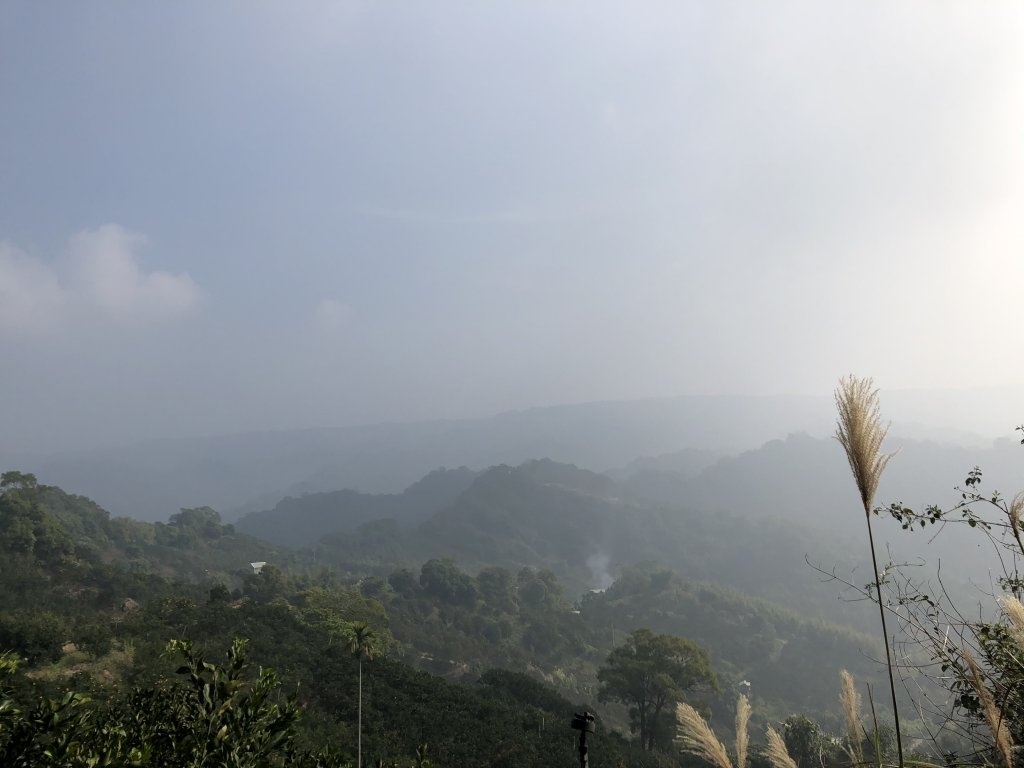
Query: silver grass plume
(1015, 613)
(1016, 507)
(850, 701)
(697, 738)
(861, 433)
(776, 751)
(996, 723)
(742, 718)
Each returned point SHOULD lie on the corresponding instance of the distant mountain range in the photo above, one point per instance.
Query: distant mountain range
(241, 473)
(577, 523)
(747, 521)
(304, 520)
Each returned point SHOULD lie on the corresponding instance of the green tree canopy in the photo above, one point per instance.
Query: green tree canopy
(25, 527)
(650, 673)
(15, 481)
(443, 579)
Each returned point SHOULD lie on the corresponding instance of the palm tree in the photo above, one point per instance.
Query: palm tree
(362, 643)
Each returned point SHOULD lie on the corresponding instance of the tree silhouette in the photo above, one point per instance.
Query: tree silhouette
(650, 673)
(362, 643)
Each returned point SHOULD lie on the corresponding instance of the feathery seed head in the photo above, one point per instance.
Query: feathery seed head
(742, 718)
(1016, 507)
(859, 429)
(776, 751)
(1015, 613)
(697, 738)
(996, 723)
(850, 701)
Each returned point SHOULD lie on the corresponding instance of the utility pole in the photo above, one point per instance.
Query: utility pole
(584, 724)
(359, 752)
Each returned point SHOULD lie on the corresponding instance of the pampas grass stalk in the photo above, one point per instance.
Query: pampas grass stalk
(776, 751)
(850, 701)
(993, 717)
(875, 735)
(1014, 511)
(1015, 613)
(697, 738)
(742, 718)
(860, 431)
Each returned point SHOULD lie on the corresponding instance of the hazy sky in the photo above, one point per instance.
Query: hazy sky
(239, 215)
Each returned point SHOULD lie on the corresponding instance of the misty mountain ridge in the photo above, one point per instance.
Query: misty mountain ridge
(804, 478)
(747, 520)
(303, 520)
(804, 482)
(577, 523)
(800, 479)
(251, 472)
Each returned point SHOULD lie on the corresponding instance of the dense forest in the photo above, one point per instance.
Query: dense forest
(343, 631)
(577, 523)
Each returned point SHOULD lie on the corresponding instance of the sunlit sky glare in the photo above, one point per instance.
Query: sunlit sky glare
(218, 217)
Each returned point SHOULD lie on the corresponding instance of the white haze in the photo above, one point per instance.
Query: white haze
(218, 218)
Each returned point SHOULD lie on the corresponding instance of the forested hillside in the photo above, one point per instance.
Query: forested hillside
(582, 525)
(306, 519)
(91, 601)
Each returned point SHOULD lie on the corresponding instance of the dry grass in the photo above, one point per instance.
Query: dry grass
(1016, 507)
(1015, 613)
(859, 429)
(742, 718)
(850, 701)
(697, 738)
(776, 751)
(861, 433)
(995, 721)
(110, 669)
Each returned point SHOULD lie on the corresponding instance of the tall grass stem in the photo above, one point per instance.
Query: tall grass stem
(860, 431)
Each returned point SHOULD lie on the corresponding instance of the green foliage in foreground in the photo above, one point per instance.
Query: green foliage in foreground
(214, 715)
(225, 716)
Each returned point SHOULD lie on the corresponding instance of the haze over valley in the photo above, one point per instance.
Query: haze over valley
(420, 380)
